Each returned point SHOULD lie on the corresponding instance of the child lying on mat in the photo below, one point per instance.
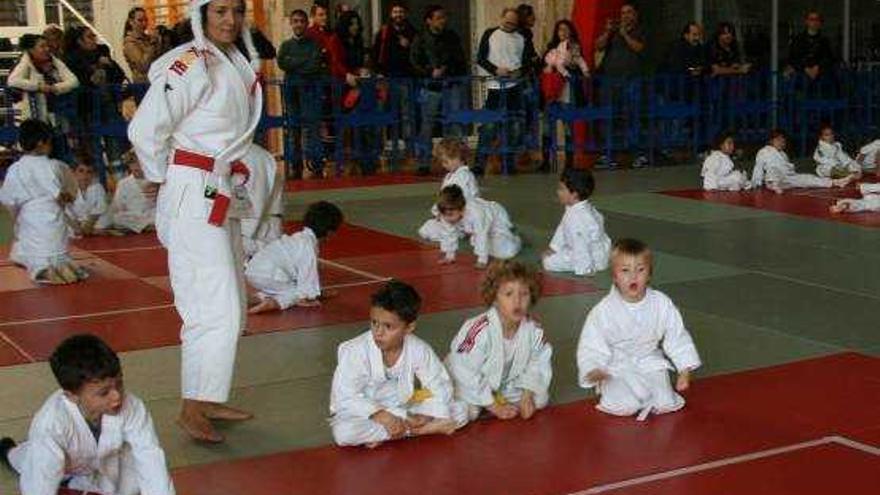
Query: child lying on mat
(629, 339)
(37, 189)
(285, 272)
(500, 360)
(718, 172)
(870, 201)
(773, 168)
(389, 384)
(485, 222)
(90, 435)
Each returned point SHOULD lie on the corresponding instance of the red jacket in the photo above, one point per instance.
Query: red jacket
(332, 49)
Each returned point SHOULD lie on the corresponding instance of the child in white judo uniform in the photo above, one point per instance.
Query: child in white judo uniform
(773, 168)
(261, 223)
(90, 435)
(831, 160)
(88, 212)
(285, 272)
(870, 200)
(485, 222)
(450, 151)
(133, 208)
(500, 360)
(869, 156)
(389, 384)
(719, 172)
(580, 244)
(629, 339)
(36, 191)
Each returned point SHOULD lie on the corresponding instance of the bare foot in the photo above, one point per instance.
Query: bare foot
(267, 304)
(220, 411)
(838, 207)
(373, 445)
(435, 427)
(842, 182)
(67, 273)
(196, 425)
(775, 187)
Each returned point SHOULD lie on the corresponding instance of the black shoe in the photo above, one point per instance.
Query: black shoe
(6, 444)
(478, 171)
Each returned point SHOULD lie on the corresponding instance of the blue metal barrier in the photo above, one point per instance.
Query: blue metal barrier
(323, 120)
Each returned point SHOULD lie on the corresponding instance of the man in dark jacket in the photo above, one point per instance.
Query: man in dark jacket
(810, 51)
(303, 62)
(437, 55)
(392, 44)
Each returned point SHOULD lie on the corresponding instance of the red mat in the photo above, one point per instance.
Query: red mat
(9, 356)
(350, 182)
(567, 449)
(812, 203)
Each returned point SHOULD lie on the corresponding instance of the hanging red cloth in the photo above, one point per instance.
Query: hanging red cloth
(589, 18)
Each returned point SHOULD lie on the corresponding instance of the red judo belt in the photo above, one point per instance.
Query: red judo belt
(221, 202)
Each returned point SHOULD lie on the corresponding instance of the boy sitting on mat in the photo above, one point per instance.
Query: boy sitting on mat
(389, 384)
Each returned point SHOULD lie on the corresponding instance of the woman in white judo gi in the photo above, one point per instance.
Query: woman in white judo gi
(719, 172)
(500, 360)
(90, 435)
(193, 126)
(580, 244)
(627, 338)
(773, 168)
(389, 384)
(485, 222)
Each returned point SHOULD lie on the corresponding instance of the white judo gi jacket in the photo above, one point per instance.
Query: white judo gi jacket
(130, 208)
(287, 268)
(485, 222)
(580, 243)
(261, 223)
(870, 152)
(719, 174)
(634, 353)
(201, 103)
(127, 458)
(465, 179)
(31, 189)
(476, 361)
(773, 166)
(362, 388)
(89, 203)
(830, 157)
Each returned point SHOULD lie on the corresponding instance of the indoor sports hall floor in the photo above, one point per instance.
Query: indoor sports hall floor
(780, 297)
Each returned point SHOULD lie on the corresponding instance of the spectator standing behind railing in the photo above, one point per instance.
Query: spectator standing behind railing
(302, 60)
(564, 63)
(349, 32)
(54, 37)
(810, 51)
(41, 74)
(140, 47)
(97, 72)
(437, 54)
(506, 56)
(619, 58)
(725, 57)
(391, 48)
(687, 55)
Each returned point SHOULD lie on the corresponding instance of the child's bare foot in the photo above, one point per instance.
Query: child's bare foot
(435, 427)
(67, 273)
(223, 412)
(372, 445)
(266, 305)
(839, 207)
(775, 187)
(843, 182)
(445, 261)
(196, 425)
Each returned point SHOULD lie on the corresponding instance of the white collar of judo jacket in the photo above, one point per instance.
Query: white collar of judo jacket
(222, 164)
(109, 441)
(522, 349)
(406, 385)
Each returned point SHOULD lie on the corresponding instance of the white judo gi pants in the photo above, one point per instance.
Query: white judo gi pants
(285, 293)
(733, 181)
(503, 245)
(558, 262)
(127, 484)
(207, 278)
(627, 393)
(349, 430)
(801, 180)
(512, 395)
